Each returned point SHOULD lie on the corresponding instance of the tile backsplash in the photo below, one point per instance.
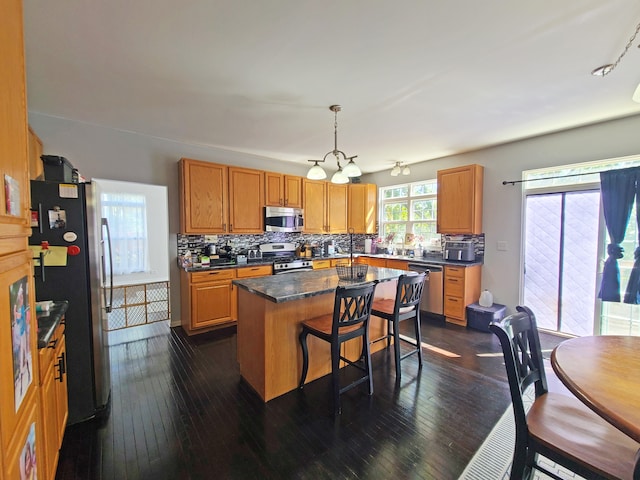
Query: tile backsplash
(196, 243)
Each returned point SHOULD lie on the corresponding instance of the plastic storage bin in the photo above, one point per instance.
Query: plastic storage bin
(479, 317)
(58, 169)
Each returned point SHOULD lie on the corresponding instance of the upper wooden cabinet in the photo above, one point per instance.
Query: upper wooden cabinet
(363, 207)
(325, 206)
(246, 200)
(215, 198)
(36, 169)
(460, 200)
(14, 169)
(282, 190)
(204, 199)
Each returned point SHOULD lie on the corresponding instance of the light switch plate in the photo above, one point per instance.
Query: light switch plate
(211, 238)
(502, 246)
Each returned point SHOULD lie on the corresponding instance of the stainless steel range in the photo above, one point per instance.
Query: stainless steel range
(284, 258)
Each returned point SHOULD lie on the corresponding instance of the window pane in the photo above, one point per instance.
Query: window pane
(399, 229)
(423, 210)
(427, 188)
(401, 191)
(396, 212)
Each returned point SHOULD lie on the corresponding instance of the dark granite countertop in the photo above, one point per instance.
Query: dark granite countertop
(49, 321)
(298, 285)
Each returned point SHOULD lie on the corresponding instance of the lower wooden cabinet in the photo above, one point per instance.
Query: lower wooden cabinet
(54, 407)
(209, 300)
(461, 288)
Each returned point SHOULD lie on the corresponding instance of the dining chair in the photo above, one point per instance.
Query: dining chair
(558, 427)
(405, 306)
(349, 320)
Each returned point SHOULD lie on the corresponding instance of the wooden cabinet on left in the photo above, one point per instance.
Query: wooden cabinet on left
(36, 168)
(14, 167)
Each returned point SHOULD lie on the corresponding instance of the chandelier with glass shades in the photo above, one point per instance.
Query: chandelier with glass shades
(316, 172)
(399, 168)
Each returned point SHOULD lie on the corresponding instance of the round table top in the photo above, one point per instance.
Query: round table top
(604, 373)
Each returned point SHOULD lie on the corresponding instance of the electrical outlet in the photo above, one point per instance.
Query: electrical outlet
(211, 238)
(502, 246)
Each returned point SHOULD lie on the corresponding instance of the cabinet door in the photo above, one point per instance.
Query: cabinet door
(60, 377)
(18, 343)
(314, 193)
(211, 304)
(376, 262)
(274, 189)
(460, 200)
(22, 459)
(203, 197)
(246, 200)
(398, 264)
(337, 196)
(36, 168)
(292, 191)
(14, 169)
(48, 409)
(362, 207)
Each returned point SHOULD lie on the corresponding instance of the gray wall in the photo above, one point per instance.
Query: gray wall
(112, 154)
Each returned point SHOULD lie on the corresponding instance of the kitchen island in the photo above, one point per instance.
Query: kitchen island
(270, 310)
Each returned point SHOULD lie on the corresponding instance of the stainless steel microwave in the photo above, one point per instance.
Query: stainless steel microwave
(283, 219)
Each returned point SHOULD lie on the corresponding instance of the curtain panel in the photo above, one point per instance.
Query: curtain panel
(619, 189)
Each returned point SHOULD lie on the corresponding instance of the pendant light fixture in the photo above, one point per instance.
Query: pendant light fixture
(400, 169)
(316, 172)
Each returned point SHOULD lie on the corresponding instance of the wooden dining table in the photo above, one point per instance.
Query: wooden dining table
(604, 373)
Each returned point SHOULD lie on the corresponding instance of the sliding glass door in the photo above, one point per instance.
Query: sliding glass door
(562, 232)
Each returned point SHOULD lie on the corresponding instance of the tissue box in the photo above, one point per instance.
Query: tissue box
(479, 317)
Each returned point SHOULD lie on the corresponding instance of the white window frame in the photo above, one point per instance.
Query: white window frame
(409, 199)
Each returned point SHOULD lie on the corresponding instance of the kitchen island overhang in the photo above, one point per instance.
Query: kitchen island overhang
(270, 310)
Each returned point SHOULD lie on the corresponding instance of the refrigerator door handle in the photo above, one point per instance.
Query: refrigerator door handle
(40, 219)
(108, 306)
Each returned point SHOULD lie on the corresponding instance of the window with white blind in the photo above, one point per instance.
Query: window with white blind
(138, 221)
(409, 208)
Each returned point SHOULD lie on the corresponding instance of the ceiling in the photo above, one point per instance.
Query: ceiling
(417, 80)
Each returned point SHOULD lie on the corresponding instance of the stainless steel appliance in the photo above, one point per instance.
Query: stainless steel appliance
(459, 250)
(284, 258)
(283, 219)
(433, 293)
(66, 217)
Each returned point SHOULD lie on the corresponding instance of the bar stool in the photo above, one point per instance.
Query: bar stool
(349, 320)
(405, 306)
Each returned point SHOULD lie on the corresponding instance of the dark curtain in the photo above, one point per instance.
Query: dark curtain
(632, 295)
(618, 189)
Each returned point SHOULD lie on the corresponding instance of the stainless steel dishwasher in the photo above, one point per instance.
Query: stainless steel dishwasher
(432, 295)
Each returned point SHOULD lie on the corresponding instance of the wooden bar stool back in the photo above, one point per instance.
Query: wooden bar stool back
(349, 320)
(405, 306)
(557, 426)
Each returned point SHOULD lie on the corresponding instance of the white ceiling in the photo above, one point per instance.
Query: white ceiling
(416, 79)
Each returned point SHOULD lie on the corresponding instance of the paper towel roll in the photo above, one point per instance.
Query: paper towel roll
(367, 245)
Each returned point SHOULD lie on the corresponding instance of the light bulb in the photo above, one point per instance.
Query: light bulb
(395, 171)
(406, 170)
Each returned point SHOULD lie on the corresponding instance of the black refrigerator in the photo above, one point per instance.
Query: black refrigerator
(63, 215)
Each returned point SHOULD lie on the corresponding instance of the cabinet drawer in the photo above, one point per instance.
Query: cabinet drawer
(258, 271)
(321, 264)
(213, 275)
(454, 271)
(454, 286)
(454, 307)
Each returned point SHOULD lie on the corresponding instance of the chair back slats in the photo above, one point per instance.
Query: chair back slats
(352, 305)
(409, 291)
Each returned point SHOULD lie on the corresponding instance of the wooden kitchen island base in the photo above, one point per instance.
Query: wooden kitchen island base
(269, 352)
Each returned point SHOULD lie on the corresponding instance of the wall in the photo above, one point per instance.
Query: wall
(106, 153)
(502, 213)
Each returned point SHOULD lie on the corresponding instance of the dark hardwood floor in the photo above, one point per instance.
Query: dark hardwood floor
(181, 411)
